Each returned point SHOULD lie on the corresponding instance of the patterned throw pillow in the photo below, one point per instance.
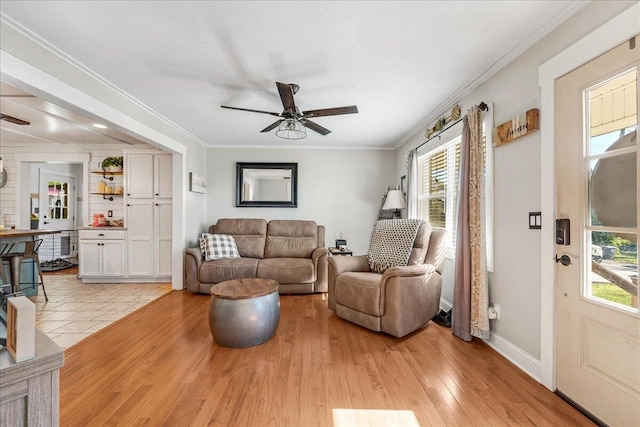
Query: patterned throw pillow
(215, 246)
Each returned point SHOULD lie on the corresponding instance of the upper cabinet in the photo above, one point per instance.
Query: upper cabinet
(148, 175)
(163, 182)
(139, 175)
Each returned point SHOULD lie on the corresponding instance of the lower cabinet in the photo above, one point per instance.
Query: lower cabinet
(149, 247)
(102, 254)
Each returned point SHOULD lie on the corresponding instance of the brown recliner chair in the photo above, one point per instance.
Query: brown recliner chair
(398, 301)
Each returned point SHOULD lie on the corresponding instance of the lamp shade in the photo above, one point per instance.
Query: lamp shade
(291, 129)
(395, 200)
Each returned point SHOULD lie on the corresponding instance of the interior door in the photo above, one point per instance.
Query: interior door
(57, 207)
(597, 318)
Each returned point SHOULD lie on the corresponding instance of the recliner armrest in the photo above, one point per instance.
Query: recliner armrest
(338, 265)
(342, 264)
(407, 271)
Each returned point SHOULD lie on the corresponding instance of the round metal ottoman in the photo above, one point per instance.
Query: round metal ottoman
(244, 312)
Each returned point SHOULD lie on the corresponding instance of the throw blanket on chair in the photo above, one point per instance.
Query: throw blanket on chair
(391, 243)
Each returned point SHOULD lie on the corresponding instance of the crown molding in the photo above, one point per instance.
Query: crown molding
(44, 44)
(571, 9)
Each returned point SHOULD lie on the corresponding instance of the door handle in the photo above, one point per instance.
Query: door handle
(564, 260)
(46, 222)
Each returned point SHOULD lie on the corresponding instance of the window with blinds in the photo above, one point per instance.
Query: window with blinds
(438, 184)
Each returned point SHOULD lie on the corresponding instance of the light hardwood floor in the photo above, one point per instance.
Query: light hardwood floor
(160, 366)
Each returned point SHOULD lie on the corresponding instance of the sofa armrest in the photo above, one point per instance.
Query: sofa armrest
(319, 258)
(192, 263)
(317, 253)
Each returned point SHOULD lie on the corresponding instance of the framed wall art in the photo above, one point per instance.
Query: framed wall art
(197, 183)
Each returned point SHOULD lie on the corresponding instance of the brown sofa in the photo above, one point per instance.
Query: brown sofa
(291, 252)
(398, 301)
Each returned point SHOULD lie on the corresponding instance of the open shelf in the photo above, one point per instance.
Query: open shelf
(108, 175)
(111, 195)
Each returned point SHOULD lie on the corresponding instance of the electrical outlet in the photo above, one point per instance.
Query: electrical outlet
(109, 214)
(494, 312)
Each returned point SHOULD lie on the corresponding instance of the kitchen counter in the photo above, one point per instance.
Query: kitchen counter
(104, 227)
(13, 233)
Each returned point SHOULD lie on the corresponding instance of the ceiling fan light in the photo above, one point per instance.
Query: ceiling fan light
(291, 129)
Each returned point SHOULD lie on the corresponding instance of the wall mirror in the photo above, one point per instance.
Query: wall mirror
(273, 185)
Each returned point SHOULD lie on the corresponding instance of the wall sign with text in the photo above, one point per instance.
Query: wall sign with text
(517, 127)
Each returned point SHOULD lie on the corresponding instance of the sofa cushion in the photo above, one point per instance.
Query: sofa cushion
(250, 234)
(219, 270)
(291, 238)
(214, 246)
(360, 291)
(287, 270)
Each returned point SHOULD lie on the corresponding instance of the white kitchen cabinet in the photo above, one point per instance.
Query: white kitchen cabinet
(149, 175)
(140, 226)
(139, 175)
(162, 215)
(149, 216)
(102, 255)
(163, 178)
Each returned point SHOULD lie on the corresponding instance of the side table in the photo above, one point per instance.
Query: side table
(336, 251)
(244, 312)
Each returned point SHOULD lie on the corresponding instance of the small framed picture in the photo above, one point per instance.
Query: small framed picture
(403, 184)
(197, 183)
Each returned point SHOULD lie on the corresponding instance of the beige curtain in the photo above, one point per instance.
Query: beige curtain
(470, 294)
(412, 184)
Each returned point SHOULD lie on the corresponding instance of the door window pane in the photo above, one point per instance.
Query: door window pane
(58, 199)
(612, 228)
(614, 268)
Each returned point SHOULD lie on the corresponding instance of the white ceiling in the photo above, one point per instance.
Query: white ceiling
(401, 63)
(50, 123)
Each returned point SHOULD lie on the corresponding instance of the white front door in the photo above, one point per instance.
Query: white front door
(597, 317)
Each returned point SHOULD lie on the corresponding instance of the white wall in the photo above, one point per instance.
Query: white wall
(515, 284)
(340, 189)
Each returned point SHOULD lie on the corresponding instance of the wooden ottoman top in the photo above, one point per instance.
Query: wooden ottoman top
(244, 288)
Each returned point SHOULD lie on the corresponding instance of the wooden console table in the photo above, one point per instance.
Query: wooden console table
(29, 390)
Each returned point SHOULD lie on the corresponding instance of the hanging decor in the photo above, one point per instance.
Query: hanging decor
(443, 121)
(517, 127)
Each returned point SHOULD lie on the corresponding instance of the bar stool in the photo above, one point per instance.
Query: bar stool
(15, 260)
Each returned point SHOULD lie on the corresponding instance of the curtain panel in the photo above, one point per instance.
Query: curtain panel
(412, 184)
(470, 293)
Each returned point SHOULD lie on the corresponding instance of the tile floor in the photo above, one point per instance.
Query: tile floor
(76, 310)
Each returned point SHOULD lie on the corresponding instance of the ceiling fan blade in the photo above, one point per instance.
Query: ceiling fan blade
(331, 111)
(253, 111)
(14, 120)
(271, 126)
(315, 127)
(286, 95)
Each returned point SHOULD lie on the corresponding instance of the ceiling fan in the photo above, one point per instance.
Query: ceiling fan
(292, 122)
(14, 120)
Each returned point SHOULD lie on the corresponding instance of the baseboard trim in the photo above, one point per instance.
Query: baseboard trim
(523, 360)
(445, 305)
